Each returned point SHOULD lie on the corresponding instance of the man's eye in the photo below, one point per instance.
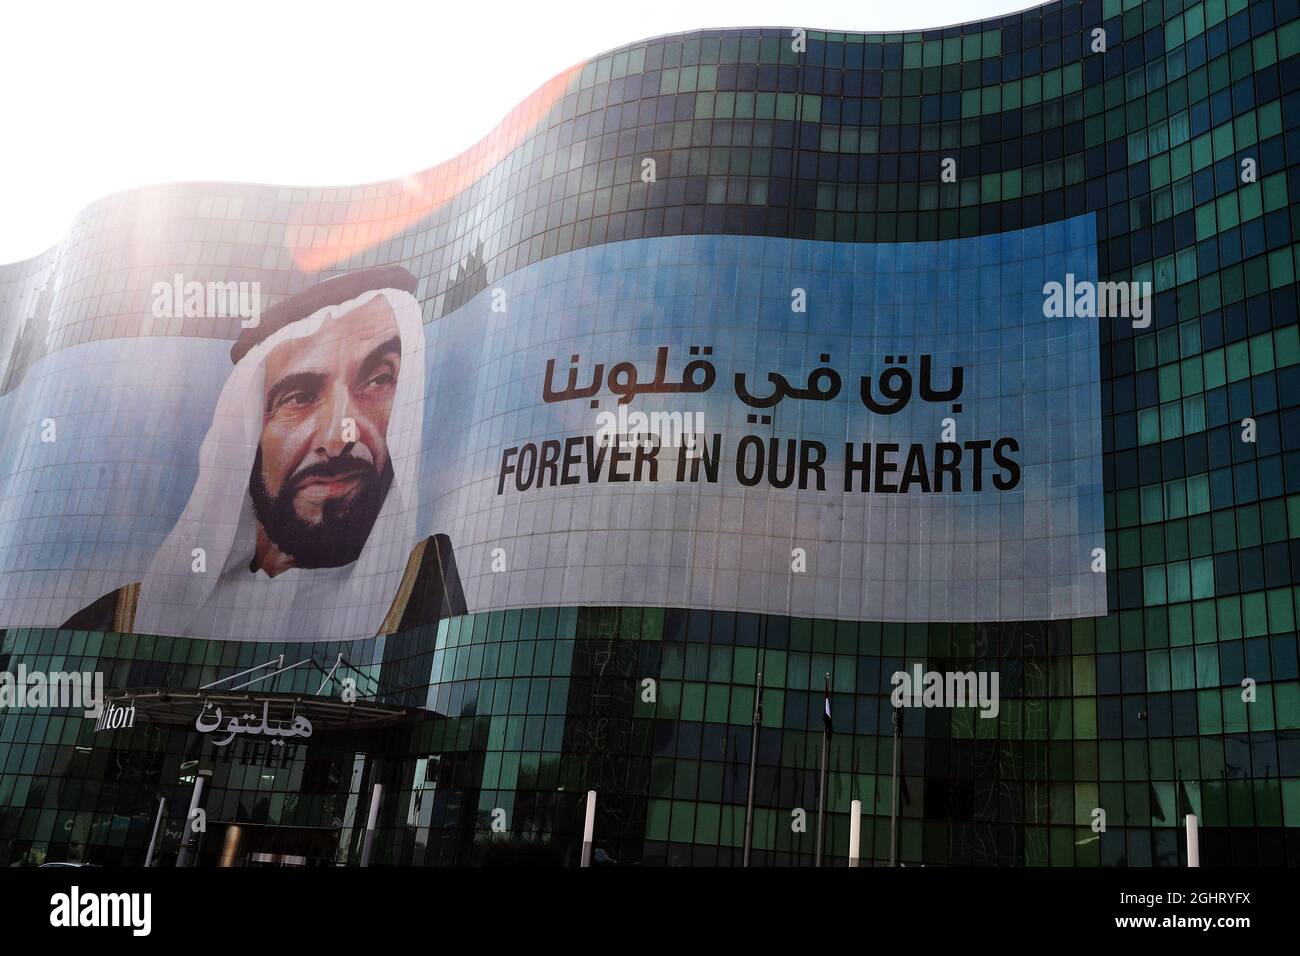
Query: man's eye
(383, 379)
(298, 399)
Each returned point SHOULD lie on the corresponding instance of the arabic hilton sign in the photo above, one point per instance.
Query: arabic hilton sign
(116, 717)
(211, 721)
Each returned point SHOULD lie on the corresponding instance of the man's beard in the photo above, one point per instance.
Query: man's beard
(339, 536)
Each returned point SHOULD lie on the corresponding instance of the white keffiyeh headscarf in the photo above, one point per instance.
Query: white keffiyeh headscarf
(227, 601)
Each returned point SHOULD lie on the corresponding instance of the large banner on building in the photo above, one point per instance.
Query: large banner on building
(893, 432)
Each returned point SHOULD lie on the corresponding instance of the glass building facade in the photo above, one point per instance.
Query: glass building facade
(1172, 128)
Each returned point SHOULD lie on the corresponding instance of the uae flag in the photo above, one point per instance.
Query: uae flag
(826, 712)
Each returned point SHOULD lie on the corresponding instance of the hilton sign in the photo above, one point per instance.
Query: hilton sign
(116, 717)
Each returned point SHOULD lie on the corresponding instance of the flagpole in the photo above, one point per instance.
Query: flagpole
(753, 767)
(821, 798)
(893, 796)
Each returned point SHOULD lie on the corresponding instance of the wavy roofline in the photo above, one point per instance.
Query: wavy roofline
(537, 92)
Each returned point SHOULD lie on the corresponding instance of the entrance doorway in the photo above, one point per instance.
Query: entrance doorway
(262, 845)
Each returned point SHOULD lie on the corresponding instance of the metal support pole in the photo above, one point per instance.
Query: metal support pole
(157, 825)
(855, 832)
(273, 662)
(589, 828)
(187, 852)
(1193, 842)
(753, 768)
(821, 796)
(368, 844)
(893, 795)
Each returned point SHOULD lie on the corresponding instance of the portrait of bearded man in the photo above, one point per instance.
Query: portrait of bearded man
(302, 522)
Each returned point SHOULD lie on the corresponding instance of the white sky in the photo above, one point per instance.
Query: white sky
(97, 97)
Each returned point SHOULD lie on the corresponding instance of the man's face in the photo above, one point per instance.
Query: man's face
(323, 468)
